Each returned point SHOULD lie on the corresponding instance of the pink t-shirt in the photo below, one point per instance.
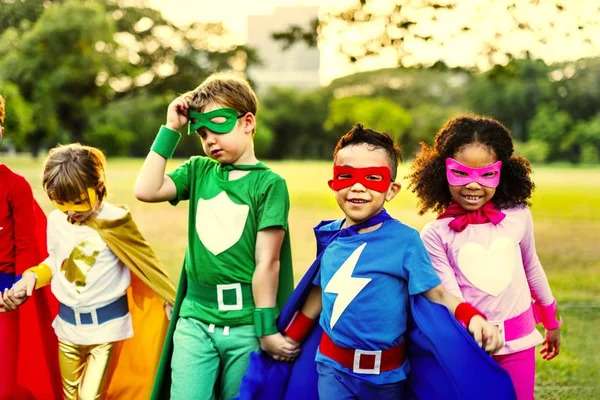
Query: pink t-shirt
(493, 267)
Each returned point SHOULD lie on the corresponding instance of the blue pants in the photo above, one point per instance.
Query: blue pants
(334, 384)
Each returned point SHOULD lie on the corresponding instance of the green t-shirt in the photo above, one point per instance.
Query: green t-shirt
(224, 219)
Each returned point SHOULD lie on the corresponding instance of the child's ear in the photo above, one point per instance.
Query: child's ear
(249, 122)
(392, 191)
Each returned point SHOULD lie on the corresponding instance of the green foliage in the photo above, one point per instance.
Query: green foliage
(379, 114)
(18, 122)
(512, 93)
(589, 154)
(263, 139)
(296, 121)
(550, 125)
(534, 150)
(72, 58)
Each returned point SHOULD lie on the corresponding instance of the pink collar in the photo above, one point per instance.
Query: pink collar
(462, 217)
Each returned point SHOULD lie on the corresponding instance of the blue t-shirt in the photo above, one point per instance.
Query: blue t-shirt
(366, 280)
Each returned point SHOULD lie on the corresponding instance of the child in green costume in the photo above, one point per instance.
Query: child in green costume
(237, 268)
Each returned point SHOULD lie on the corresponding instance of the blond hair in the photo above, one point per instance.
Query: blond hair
(225, 89)
(69, 170)
(2, 105)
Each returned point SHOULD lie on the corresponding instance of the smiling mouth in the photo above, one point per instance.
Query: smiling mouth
(357, 201)
(472, 198)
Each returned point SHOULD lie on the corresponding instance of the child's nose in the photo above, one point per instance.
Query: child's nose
(358, 187)
(211, 138)
(473, 185)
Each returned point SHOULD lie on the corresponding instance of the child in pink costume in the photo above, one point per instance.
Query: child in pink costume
(482, 244)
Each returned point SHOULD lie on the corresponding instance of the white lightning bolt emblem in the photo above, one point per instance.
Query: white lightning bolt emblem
(345, 285)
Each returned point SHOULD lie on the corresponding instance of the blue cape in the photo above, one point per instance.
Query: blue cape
(445, 361)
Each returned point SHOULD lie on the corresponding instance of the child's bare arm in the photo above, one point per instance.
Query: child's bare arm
(314, 303)
(152, 185)
(265, 282)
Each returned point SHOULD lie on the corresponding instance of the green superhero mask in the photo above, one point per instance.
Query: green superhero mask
(199, 120)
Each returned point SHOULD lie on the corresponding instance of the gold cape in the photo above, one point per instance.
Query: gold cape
(150, 288)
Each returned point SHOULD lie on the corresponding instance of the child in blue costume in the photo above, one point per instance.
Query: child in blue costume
(366, 276)
(238, 261)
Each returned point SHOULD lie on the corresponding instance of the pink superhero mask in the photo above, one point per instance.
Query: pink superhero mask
(459, 174)
(374, 178)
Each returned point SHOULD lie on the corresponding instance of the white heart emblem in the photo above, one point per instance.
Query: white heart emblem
(491, 269)
(220, 222)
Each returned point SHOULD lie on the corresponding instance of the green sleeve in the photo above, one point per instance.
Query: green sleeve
(181, 177)
(274, 206)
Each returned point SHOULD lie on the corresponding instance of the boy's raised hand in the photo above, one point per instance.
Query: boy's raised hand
(279, 348)
(177, 114)
(485, 334)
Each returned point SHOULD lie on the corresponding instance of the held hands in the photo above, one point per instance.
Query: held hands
(19, 293)
(177, 114)
(281, 348)
(485, 334)
(551, 344)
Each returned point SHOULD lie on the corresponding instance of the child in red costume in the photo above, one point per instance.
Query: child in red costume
(25, 335)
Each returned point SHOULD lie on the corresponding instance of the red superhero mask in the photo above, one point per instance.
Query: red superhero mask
(374, 178)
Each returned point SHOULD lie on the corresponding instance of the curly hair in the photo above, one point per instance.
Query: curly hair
(428, 171)
(376, 140)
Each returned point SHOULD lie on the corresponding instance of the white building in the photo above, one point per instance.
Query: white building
(296, 67)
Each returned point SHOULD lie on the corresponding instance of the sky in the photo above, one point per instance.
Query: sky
(486, 17)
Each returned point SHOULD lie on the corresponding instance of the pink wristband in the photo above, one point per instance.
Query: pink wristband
(546, 315)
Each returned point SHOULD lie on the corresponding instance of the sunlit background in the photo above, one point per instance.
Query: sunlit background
(103, 72)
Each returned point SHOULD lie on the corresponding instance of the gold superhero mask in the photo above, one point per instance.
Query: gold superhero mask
(81, 205)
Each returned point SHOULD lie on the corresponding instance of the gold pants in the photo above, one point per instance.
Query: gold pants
(86, 370)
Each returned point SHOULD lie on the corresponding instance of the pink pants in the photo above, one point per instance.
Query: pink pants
(521, 368)
(9, 343)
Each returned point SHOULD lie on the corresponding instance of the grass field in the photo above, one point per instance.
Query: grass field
(566, 210)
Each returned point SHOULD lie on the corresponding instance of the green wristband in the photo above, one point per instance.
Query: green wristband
(166, 142)
(264, 321)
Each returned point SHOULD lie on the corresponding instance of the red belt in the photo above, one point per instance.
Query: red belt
(364, 361)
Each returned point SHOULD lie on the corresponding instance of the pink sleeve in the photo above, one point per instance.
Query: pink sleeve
(536, 277)
(439, 259)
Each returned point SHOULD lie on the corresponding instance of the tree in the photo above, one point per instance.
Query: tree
(513, 93)
(70, 60)
(494, 32)
(550, 125)
(379, 114)
(19, 116)
(296, 122)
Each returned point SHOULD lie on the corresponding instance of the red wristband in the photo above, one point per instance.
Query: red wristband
(465, 312)
(299, 327)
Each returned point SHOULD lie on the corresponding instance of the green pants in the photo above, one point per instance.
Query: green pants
(209, 362)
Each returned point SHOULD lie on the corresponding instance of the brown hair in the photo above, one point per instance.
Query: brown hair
(69, 170)
(2, 110)
(226, 90)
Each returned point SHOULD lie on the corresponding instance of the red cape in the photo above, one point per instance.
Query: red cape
(38, 374)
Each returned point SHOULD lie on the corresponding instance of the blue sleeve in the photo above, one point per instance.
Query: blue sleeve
(417, 266)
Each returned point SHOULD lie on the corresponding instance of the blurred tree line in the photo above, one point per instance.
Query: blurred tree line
(103, 73)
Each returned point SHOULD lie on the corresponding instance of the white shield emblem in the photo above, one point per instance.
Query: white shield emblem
(220, 222)
(490, 270)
